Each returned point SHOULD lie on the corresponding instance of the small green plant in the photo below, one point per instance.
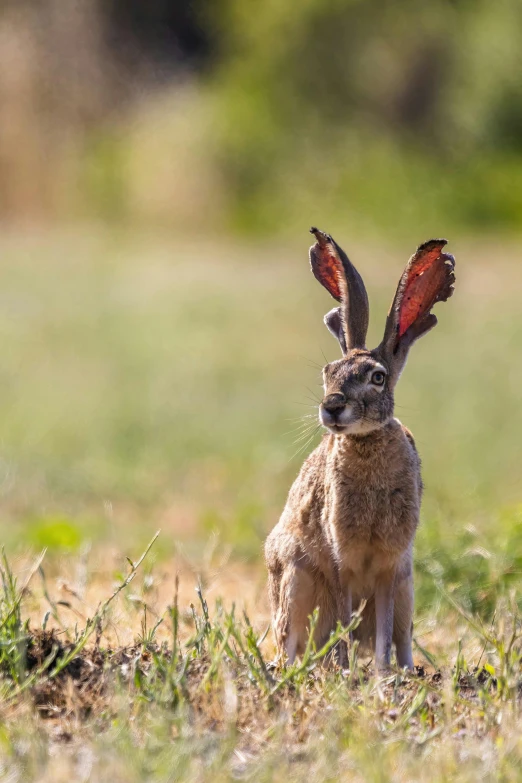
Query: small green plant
(13, 630)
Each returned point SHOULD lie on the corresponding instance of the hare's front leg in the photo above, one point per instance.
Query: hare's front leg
(403, 618)
(384, 601)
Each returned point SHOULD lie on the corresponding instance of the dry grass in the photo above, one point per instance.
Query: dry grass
(196, 697)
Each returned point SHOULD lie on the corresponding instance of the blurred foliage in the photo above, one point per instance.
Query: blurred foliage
(381, 113)
(54, 533)
(236, 115)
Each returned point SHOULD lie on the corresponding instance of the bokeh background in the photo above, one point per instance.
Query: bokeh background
(162, 337)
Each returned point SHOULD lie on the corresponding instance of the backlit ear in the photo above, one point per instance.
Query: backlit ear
(332, 267)
(428, 278)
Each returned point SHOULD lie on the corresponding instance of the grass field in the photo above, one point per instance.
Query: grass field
(160, 383)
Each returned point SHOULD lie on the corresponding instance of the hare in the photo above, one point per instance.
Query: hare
(347, 530)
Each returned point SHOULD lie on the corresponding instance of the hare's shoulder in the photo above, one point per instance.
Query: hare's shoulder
(307, 491)
(409, 437)
(299, 528)
(414, 455)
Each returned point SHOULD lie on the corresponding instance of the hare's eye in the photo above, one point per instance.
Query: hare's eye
(378, 378)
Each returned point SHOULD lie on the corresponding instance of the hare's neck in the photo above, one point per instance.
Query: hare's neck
(368, 446)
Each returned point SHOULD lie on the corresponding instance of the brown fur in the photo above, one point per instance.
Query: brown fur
(347, 530)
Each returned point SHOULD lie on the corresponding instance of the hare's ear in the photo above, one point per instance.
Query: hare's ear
(428, 278)
(333, 269)
(334, 324)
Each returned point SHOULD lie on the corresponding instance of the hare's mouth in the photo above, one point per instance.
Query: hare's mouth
(337, 420)
(338, 429)
(349, 425)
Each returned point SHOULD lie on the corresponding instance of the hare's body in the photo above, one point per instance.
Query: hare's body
(346, 533)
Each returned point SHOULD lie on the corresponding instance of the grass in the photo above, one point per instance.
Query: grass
(157, 382)
(195, 697)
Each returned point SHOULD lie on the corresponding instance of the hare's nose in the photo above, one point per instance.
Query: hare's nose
(334, 403)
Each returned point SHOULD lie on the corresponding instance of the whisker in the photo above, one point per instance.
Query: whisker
(304, 420)
(312, 392)
(304, 435)
(310, 398)
(311, 362)
(304, 441)
(310, 439)
(304, 428)
(293, 432)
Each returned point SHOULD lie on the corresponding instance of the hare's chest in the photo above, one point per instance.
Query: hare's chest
(369, 519)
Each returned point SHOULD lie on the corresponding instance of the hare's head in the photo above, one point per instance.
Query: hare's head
(359, 387)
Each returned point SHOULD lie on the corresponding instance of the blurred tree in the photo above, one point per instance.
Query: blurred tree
(160, 34)
(52, 87)
(66, 70)
(324, 97)
(382, 112)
